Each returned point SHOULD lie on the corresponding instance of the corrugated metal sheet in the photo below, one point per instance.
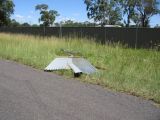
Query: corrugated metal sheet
(78, 65)
(58, 64)
(75, 68)
(84, 65)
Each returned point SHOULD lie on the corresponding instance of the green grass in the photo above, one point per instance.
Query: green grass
(133, 71)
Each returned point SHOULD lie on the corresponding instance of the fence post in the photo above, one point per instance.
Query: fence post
(81, 32)
(60, 30)
(105, 35)
(136, 37)
(44, 31)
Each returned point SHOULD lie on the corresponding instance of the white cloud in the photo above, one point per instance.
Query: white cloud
(19, 16)
(29, 16)
(31, 12)
(22, 19)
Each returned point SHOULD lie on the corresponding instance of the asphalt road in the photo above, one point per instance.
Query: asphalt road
(30, 94)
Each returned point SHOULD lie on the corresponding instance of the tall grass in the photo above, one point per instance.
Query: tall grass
(122, 69)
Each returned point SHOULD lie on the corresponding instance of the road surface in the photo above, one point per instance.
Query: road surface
(30, 94)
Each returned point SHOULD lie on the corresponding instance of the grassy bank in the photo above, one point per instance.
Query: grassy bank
(133, 71)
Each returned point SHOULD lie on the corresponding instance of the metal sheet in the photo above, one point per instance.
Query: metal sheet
(75, 68)
(84, 65)
(59, 64)
(78, 65)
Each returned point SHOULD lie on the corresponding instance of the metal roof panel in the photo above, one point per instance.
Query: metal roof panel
(78, 65)
(58, 64)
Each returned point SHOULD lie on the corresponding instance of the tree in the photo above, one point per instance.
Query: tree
(47, 16)
(103, 11)
(25, 24)
(157, 26)
(145, 10)
(128, 7)
(14, 23)
(35, 25)
(6, 9)
(70, 23)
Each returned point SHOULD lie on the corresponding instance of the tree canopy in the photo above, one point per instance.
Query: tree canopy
(145, 10)
(47, 16)
(103, 11)
(71, 23)
(6, 9)
(112, 12)
(128, 8)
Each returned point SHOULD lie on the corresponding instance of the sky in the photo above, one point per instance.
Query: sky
(68, 9)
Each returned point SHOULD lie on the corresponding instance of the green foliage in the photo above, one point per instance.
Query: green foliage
(14, 23)
(6, 9)
(134, 71)
(70, 23)
(145, 10)
(25, 24)
(157, 26)
(35, 25)
(139, 11)
(103, 11)
(47, 16)
(128, 7)
(110, 11)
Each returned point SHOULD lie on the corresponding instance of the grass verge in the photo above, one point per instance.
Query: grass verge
(133, 71)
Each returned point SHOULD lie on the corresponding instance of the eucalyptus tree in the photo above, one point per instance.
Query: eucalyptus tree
(47, 16)
(14, 23)
(103, 11)
(6, 9)
(129, 10)
(145, 10)
(139, 11)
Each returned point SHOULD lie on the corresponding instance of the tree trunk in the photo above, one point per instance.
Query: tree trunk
(128, 21)
(144, 20)
(128, 17)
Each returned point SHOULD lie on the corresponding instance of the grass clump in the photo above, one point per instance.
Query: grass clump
(134, 71)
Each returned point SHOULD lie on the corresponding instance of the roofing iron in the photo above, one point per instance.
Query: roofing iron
(78, 65)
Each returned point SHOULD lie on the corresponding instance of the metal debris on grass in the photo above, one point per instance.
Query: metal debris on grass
(79, 65)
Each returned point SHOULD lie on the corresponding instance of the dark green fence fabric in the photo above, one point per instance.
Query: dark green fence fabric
(132, 37)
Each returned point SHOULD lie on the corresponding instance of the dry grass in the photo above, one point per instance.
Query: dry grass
(133, 71)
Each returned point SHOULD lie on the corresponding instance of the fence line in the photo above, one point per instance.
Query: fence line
(133, 37)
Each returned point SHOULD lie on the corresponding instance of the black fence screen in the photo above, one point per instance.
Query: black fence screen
(132, 37)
